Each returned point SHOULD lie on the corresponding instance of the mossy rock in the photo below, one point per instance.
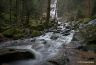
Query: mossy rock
(18, 36)
(40, 27)
(86, 20)
(93, 17)
(8, 33)
(18, 33)
(1, 35)
(13, 33)
(35, 33)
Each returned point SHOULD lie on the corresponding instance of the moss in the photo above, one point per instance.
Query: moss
(33, 29)
(93, 17)
(13, 33)
(86, 20)
(6, 16)
(8, 33)
(35, 33)
(40, 27)
(18, 36)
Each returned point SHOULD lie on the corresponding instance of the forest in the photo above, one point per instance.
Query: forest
(47, 32)
(22, 18)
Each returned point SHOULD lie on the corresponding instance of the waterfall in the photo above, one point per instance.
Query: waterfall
(53, 11)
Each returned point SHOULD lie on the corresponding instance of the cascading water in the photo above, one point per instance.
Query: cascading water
(45, 46)
(53, 12)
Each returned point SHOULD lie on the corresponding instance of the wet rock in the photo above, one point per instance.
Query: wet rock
(80, 47)
(93, 22)
(59, 24)
(33, 40)
(66, 34)
(41, 41)
(5, 64)
(54, 37)
(83, 48)
(65, 31)
(53, 62)
(68, 27)
(14, 55)
(74, 39)
(45, 42)
(58, 31)
(91, 59)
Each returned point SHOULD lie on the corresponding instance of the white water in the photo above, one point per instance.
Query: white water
(53, 12)
(44, 47)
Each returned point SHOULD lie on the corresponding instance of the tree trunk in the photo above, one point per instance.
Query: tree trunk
(16, 14)
(22, 13)
(10, 11)
(48, 11)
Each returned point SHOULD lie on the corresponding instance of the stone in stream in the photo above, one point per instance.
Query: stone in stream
(12, 55)
(43, 41)
(54, 37)
(84, 48)
(33, 40)
(68, 27)
(58, 30)
(93, 22)
(65, 33)
(74, 39)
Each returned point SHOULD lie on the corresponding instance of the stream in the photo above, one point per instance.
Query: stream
(42, 47)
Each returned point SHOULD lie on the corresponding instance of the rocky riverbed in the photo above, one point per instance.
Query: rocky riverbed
(56, 47)
(43, 47)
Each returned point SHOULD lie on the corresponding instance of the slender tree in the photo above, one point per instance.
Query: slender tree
(48, 11)
(10, 10)
(16, 10)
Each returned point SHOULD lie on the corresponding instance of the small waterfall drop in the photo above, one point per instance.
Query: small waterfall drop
(53, 12)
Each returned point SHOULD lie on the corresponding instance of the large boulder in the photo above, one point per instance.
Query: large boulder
(93, 22)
